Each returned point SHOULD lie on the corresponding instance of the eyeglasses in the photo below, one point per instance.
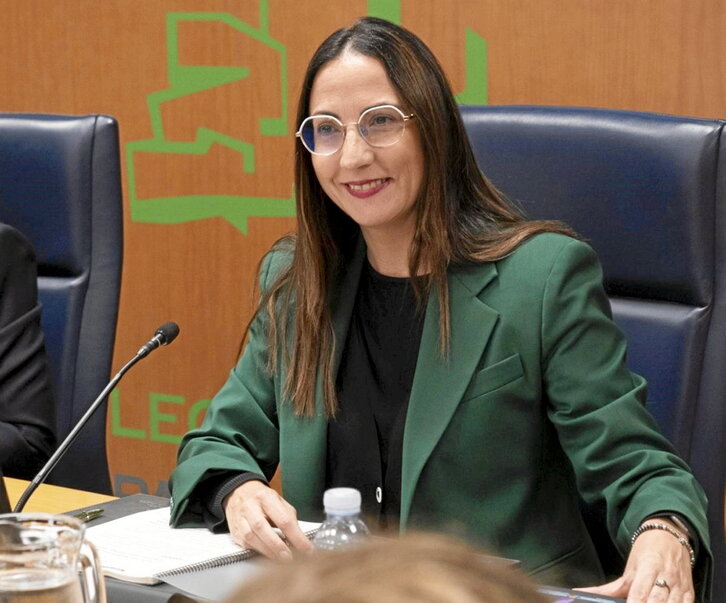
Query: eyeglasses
(380, 126)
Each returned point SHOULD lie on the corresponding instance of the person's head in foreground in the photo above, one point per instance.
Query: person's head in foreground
(425, 568)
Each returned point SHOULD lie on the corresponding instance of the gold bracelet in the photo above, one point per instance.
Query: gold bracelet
(652, 525)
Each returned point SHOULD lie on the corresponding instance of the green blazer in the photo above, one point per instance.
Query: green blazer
(532, 406)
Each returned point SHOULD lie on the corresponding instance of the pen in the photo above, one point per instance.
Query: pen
(89, 515)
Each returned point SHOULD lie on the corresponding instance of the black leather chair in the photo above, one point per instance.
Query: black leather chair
(60, 185)
(648, 192)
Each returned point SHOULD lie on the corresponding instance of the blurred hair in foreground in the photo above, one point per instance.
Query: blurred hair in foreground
(424, 568)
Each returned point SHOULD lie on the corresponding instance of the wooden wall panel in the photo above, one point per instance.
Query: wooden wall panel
(652, 55)
(201, 208)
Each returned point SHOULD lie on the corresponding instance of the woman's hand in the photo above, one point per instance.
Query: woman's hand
(658, 569)
(252, 509)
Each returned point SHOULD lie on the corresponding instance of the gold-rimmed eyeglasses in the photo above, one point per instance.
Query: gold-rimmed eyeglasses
(380, 126)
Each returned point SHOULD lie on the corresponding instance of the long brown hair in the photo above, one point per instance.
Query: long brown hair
(461, 217)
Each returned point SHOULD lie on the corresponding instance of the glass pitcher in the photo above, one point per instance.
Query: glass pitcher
(45, 559)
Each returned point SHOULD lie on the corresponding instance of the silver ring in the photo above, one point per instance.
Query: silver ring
(662, 583)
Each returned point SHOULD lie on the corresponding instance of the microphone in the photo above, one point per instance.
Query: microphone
(164, 335)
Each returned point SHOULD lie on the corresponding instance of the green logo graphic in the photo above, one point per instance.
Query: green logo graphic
(167, 419)
(188, 80)
(476, 91)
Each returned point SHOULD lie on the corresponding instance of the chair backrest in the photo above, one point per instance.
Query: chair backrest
(646, 191)
(60, 185)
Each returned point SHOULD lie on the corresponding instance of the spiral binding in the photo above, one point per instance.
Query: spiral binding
(227, 559)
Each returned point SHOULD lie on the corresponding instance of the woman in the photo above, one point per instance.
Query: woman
(421, 341)
(27, 411)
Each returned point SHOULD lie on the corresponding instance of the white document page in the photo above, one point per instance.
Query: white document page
(140, 546)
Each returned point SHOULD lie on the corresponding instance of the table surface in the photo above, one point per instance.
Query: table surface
(52, 499)
(56, 499)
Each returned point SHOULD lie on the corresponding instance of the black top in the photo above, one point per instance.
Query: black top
(373, 385)
(365, 439)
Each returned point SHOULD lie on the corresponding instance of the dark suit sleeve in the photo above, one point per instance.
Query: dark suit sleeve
(620, 458)
(27, 411)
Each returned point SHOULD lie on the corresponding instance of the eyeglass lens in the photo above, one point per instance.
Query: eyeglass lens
(379, 126)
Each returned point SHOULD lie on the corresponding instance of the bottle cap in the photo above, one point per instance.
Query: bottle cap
(342, 501)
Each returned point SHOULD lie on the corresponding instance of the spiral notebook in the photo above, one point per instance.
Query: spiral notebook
(144, 549)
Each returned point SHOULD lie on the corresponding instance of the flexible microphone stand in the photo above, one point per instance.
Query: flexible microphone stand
(164, 335)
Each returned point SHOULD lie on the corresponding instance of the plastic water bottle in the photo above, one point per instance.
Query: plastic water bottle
(343, 526)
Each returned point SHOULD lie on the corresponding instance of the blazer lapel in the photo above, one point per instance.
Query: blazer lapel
(438, 383)
(303, 440)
